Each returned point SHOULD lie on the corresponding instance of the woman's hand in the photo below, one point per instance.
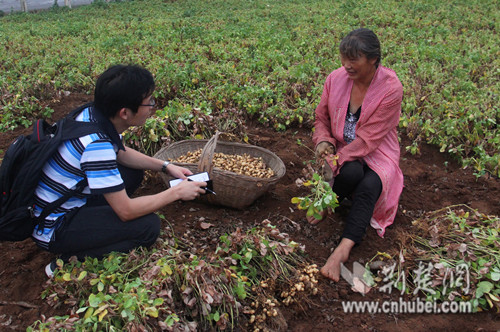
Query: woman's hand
(177, 171)
(326, 171)
(324, 149)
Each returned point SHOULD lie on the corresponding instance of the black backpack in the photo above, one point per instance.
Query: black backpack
(21, 170)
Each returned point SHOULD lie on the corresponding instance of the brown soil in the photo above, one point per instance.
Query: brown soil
(432, 181)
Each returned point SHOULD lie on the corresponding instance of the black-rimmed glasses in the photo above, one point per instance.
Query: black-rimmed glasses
(152, 103)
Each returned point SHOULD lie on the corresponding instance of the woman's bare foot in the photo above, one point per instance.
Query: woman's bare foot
(340, 255)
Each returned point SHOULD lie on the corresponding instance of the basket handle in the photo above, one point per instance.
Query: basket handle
(207, 154)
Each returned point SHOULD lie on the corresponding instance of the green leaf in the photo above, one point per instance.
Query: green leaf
(248, 256)
(158, 302)
(94, 301)
(82, 275)
(151, 311)
(89, 313)
(304, 204)
(240, 290)
(171, 319)
(59, 263)
(310, 211)
(317, 216)
(167, 269)
(483, 287)
(123, 313)
(130, 302)
(82, 309)
(495, 276)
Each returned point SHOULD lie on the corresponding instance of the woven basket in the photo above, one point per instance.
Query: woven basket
(233, 190)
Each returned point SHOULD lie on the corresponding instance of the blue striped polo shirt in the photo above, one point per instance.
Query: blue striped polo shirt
(92, 157)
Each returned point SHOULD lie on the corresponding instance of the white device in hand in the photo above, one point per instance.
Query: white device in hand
(199, 177)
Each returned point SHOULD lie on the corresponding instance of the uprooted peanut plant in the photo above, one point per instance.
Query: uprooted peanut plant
(452, 254)
(242, 282)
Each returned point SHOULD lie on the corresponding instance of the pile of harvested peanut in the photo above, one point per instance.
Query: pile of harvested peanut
(266, 306)
(307, 283)
(240, 164)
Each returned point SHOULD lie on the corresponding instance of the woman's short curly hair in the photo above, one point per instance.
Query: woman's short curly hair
(361, 42)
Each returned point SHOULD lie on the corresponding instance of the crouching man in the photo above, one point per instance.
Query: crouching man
(104, 218)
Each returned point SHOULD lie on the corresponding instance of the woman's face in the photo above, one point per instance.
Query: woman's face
(359, 68)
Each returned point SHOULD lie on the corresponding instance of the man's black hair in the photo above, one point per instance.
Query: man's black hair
(122, 86)
(361, 41)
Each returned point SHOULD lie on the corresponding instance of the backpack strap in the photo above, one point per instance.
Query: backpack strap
(40, 220)
(68, 126)
(74, 113)
(71, 129)
(74, 129)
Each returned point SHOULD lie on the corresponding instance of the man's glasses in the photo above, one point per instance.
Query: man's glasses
(152, 103)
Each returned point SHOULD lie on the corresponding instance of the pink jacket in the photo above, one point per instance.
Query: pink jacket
(376, 139)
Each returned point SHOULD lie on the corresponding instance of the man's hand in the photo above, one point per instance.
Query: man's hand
(177, 171)
(188, 190)
(323, 149)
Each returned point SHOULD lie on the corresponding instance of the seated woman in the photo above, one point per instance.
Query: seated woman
(356, 136)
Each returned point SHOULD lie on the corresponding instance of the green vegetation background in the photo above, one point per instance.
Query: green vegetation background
(267, 60)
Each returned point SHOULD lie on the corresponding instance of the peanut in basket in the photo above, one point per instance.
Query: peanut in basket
(240, 164)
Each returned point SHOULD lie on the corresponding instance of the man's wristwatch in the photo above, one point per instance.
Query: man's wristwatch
(164, 167)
